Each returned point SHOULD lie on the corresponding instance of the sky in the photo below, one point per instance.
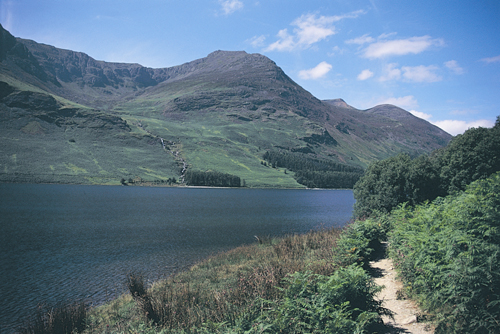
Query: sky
(438, 59)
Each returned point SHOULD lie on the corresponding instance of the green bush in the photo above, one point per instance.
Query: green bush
(341, 303)
(388, 183)
(448, 255)
(361, 241)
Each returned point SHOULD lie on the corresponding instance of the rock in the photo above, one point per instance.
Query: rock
(410, 320)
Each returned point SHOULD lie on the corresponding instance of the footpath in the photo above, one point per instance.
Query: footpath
(405, 311)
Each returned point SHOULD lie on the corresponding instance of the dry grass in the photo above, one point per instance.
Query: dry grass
(224, 287)
(66, 318)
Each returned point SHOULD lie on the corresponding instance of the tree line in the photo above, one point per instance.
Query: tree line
(212, 179)
(314, 173)
(468, 157)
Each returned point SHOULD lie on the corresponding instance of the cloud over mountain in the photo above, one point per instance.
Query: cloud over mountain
(317, 72)
(310, 29)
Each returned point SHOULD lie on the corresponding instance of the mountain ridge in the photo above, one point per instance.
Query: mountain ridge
(218, 113)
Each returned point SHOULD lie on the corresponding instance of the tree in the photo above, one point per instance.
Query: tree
(469, 157)
(383, 186)
(423, 182)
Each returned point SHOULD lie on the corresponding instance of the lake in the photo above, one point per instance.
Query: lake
(71, 242)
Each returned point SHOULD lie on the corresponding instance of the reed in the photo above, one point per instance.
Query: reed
(62, 319)
(224, 287)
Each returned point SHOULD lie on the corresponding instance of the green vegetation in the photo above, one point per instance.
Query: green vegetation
(315, 173)
(296, 284)
(388, 183)
(72, 119)
(440, 215)
(448, 255)
(212, 179)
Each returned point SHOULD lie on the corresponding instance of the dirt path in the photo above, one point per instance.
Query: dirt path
(405, 311)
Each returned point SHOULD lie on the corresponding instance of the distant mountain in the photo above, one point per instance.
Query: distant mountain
(66, 117)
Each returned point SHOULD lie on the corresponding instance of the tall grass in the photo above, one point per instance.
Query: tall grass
(63, 319)
(224, 288)
(295, 284)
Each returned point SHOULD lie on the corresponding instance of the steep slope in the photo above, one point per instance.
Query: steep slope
(386, 129)
(48, 138)
(219, 113)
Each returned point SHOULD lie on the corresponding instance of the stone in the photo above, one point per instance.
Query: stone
(410, 320)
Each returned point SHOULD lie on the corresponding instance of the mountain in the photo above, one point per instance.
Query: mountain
(66, 117)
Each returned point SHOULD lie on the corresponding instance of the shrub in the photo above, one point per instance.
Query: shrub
(388, 183)
(361, 241)
(341, 303)
(448, 255)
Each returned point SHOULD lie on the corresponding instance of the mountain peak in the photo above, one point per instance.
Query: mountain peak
(390, 111)
(219, 53)
(7, 41)
(218, 113)
(338, 103)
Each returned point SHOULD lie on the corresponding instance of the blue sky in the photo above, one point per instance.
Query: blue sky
(439, 59)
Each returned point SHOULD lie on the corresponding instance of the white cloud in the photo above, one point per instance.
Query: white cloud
(408, 101)
(285, 43)
(257, 41)
(420, 114)
(317, 72)
(310, 29)
(230, 6)
(410, 73)
(387, 35)
(361, 40)
(421, 73)
(491, 60)
(454, 67)
(365, 74)
(399, 47)
(391, 72)
(455, 127)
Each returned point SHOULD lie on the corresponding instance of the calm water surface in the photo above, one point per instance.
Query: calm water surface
(67, 242)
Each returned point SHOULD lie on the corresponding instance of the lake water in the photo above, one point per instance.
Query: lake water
(71, 242)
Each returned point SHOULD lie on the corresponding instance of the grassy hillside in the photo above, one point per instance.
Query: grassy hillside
(70, 118)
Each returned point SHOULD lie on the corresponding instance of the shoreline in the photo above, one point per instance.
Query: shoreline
(146, 184)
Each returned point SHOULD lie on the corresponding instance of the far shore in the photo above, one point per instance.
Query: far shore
(156, 185)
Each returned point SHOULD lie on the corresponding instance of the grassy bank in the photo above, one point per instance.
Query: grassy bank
(297, 284)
